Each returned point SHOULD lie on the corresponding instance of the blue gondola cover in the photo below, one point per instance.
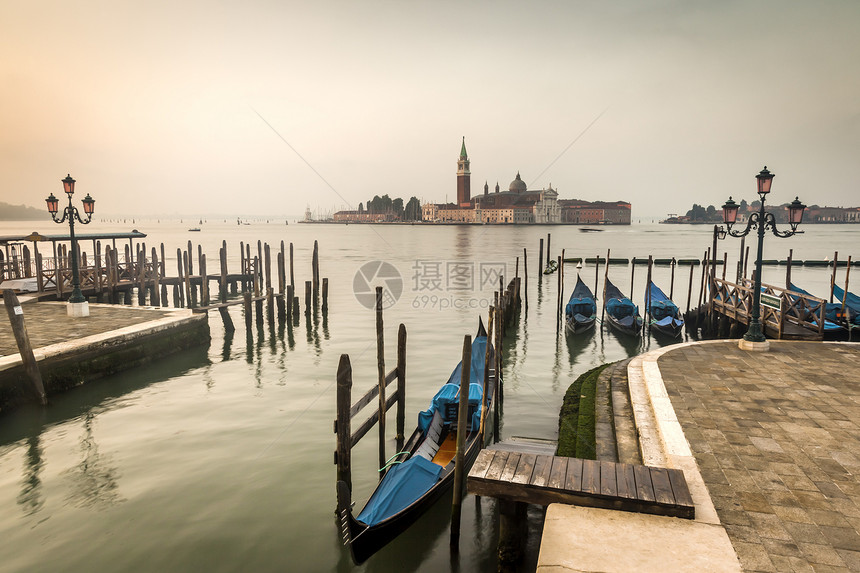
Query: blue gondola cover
(449, 394)
(403, 485)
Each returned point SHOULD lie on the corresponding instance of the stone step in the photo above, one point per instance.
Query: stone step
(604, 431)
(623, 422)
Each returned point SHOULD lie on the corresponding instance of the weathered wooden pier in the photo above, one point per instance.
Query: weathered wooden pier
(119, 274)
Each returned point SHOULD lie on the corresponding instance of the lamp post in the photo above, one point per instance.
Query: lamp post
(762, 221)
(719, 233)
(77, 306)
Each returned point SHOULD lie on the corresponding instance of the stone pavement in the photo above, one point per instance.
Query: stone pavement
(776, 437)
(47, 323)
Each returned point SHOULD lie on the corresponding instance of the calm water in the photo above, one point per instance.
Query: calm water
(221, 459)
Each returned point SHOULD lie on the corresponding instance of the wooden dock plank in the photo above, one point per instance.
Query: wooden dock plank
(540, 475)
(624, 481)
(573, 480)
(534, 478)
(524, 469)
(591, 476)
(557, 473)
(497, 465)
(511, 467)
(607, 479)
(482, 464)
(679, 488)
(662, 486)
(644, 488)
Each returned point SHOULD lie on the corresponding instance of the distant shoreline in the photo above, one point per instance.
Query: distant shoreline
(455, 223)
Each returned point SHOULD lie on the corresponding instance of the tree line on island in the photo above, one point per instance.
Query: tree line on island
(21, 213)
(711, 214)
(385, 205)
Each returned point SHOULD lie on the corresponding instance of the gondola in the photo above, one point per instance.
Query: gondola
(581, 310)
(621, 313)
(852, 305)
(835, 322)
(424, 470)
(664, 314)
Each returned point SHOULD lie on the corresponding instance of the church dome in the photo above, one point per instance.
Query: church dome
(517, 185)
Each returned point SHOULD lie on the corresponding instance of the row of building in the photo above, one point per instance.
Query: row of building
(518, 205)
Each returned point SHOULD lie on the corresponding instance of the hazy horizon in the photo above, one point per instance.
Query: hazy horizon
(270, 107)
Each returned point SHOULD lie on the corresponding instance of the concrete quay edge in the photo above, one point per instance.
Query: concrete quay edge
(586, 539)
(125, 334)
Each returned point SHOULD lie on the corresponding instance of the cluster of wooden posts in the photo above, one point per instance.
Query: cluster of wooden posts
(501, 314)
(115, 276)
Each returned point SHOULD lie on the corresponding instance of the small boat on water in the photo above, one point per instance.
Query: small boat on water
(424, 470)
(590, 230)
(834, 319)
(665, 316)
(581, 310)
(551, 267)
(194, 230)
(621, 313)
(852, 305)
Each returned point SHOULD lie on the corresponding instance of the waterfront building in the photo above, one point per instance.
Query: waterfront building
(519, 205)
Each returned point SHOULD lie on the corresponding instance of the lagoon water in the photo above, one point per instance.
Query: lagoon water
(221, 459)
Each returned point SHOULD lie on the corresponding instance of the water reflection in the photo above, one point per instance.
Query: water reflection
(94, 480)
(31, 497)
(630, 344)
(578, 343)
(228, 343)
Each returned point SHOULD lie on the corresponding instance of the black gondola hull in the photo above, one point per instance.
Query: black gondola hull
(578, 326)
(632, 329)
(365, 541)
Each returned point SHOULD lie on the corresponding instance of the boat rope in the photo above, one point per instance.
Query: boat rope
(391, 461)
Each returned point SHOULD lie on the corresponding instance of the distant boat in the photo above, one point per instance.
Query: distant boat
(590, 230)
(832, 310)
(621, 313)
(424, 471)
(665, 316)
(195, 230)
(581, 310)
(852, 304)
(551, 267)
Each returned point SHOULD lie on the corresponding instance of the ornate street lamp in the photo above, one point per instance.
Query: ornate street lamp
(761, 221)
(77, 303)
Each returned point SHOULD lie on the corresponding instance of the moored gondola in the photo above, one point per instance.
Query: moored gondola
(836, 321)
(621, 313)
(581, 311)
(424, 470)
(665, 316)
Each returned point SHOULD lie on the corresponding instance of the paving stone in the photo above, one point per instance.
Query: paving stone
(821, 554)
(769, 525)
(851, 558)
(753, 556)
(47, 323)
(841, 537)
(784, 430)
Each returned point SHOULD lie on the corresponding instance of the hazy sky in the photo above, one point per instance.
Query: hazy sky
(209, 107)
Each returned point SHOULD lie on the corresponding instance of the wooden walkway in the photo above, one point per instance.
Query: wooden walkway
(542, 479)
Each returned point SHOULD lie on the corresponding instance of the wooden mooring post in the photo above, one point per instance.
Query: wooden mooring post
(526, 276)
(462, 410)
(346, 410)
(540, 260)
(19, 329)
(380, 367)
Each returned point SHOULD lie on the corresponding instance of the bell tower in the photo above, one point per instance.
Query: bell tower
(463, 174)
